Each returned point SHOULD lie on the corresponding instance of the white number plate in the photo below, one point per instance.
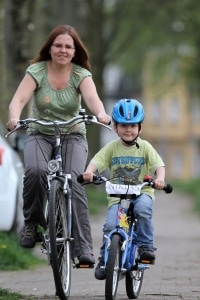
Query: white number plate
(112, 188)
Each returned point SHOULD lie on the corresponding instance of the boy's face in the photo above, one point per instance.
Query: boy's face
(127, 132)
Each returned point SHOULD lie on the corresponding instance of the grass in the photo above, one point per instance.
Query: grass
(14, 257)
(7, 295)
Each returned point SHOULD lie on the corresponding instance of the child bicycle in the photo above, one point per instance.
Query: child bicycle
(55, 234)
(121, 258)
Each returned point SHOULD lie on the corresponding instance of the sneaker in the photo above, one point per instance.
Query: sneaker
(28, 236)
(147, 254)
(86, 259)
(100, 273)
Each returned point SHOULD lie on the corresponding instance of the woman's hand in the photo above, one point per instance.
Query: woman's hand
(104, 118)
(12, 123)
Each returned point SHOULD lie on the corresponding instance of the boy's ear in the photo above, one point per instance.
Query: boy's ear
(141, 127)
(115, 127)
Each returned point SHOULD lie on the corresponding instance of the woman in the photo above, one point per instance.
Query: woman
(57, 79)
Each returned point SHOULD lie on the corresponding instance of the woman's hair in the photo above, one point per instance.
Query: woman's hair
(81, 57)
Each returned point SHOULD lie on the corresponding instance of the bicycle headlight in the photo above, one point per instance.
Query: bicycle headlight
(53, 165)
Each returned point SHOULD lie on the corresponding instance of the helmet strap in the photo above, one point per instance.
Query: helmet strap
(132, 143)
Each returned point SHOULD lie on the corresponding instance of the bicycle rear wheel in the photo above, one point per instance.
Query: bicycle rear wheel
(113, 268)
(60, 253)
(134, 281)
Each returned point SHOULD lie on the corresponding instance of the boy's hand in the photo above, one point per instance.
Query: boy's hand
(159, 184)
(88, 176)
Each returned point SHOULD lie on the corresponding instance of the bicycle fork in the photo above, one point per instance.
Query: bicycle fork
(128, 251)
(65, 179)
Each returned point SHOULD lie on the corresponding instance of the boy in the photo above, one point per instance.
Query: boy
(129, 159)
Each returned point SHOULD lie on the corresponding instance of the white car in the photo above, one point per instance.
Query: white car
(11, 187)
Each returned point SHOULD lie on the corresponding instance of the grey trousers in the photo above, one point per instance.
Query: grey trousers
(36, 155)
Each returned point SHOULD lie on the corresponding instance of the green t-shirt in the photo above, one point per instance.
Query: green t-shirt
(128, 165)
(51, 104)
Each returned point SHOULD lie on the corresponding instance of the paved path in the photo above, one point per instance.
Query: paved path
(175, 276)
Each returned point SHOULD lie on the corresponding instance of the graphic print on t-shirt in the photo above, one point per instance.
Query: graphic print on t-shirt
(127, 169)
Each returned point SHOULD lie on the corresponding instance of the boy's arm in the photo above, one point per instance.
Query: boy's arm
(160, 178)
(89, 172)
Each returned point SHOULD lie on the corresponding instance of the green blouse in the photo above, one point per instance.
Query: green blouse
(51, 104)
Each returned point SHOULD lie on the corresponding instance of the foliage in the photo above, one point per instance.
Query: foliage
(115, 32)
(13, 257)
(97, 199)
(192, 188)
(7, 295)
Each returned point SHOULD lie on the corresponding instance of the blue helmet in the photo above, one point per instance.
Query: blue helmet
(128, 111)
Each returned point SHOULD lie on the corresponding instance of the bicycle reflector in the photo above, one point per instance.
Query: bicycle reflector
(53, 165)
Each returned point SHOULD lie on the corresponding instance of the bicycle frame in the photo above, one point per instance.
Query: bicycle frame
(56, 235)
(121, 258)
(128, 247)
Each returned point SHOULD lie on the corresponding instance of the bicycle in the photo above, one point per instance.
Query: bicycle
(55, 235)
(121, 258)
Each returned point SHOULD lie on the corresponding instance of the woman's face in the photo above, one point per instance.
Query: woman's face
(62, 49)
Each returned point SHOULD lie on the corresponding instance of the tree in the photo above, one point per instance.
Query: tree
(115, 32)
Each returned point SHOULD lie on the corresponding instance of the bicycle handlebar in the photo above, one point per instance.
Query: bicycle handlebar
(88, 119)
(98, 179)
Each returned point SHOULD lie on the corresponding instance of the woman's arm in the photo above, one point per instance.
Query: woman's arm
(20, 99)
(92, 100)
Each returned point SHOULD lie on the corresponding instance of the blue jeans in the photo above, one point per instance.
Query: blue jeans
(143, 209)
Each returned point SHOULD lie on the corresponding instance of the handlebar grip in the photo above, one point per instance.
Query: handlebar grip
(81, 180)
(168, 188)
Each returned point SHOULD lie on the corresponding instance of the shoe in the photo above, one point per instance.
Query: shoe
(147, 254)
(100, 273)
(86, 259)
(28, 236)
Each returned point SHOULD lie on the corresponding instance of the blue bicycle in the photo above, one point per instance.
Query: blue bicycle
(121, 259)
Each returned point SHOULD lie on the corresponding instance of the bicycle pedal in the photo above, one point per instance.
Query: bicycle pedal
(44, 250)
(84, 266)
(147, 261)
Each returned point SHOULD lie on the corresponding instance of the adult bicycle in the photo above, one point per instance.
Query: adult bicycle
(56, 233)
(121, 257)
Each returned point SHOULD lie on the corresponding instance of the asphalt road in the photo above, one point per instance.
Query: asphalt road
(175, 276)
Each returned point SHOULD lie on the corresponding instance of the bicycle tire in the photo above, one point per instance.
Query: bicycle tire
(134, 281)
(113, 268)
(60, 248)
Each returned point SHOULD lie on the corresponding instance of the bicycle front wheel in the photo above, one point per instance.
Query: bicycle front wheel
(134, 281)
(60, 248)
(113, 268)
